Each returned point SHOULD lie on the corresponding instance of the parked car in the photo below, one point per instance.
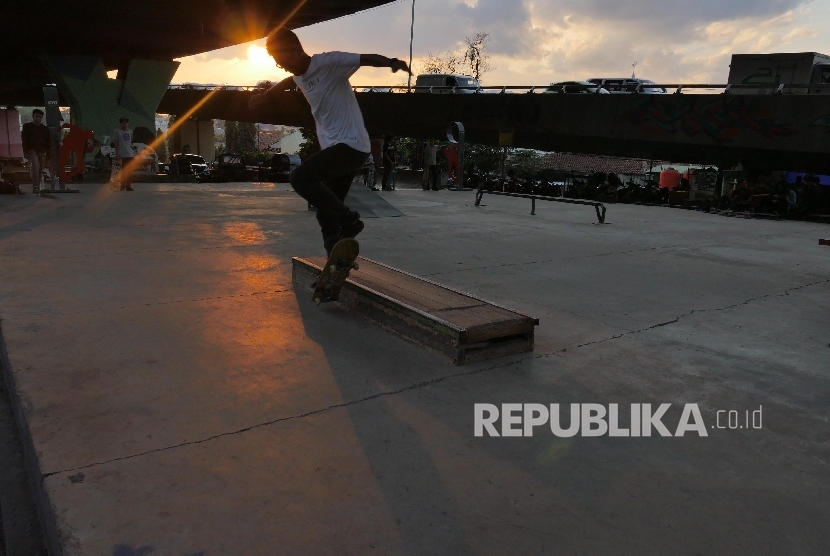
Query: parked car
(282, 165)
(446, 84)
(188, 164)
(627, 85)
(574, 87)
(232, 167)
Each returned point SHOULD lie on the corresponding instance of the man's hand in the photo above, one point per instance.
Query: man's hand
(400, 65)
(378, 61)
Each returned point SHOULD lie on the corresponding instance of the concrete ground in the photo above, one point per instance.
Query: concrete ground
(182, 398)
(20, 532)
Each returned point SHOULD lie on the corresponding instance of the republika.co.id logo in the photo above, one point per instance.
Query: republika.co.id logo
(593, 419)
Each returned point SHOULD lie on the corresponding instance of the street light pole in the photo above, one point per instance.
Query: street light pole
(411, 37)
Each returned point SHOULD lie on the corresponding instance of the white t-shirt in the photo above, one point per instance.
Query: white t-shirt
(326, 87)
(123, 142)
(432, 152)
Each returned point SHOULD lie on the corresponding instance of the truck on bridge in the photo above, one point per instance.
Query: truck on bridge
(770, 71)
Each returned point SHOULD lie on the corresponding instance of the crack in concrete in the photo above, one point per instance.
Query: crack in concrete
(431, 382)
(414, 386)
(693, 311)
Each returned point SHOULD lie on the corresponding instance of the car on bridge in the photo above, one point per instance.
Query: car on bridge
(627, 85)
(574, 87)
(446, 84)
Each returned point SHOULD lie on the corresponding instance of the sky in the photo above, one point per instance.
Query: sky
(536, 42)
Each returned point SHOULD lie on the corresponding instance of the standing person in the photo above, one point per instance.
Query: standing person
(37, 145)
(432, 164)
(388, 162)
(124, 151)
(324, 179)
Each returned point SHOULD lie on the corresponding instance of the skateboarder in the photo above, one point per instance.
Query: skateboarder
(324, 179)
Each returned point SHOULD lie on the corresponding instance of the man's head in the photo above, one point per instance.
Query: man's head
(284, 46)
(123, 121)
(37, 115)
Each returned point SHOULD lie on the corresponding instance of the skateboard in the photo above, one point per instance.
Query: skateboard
(336, 270)
(115, 175)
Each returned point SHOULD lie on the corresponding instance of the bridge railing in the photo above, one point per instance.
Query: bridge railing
(642, 88)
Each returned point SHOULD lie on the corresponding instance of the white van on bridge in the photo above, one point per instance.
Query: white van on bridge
(446, 84)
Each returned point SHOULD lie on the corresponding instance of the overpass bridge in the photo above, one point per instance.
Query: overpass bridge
(75, 44)
(762, 132)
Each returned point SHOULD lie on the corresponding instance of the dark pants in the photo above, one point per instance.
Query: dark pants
(435, 176)
(36, 162)
(126, 171)
(387, 174)
(324, 180)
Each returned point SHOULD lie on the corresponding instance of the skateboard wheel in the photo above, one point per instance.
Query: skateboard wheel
(333, 268)
(355, 265)
(317, 300)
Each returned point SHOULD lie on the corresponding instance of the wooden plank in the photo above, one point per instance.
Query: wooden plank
(456, 324)
(459, 308)
(405, 287)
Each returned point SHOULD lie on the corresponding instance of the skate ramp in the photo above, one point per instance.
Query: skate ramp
(369, 203)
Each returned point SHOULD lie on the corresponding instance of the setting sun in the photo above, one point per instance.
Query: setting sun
(257, 55)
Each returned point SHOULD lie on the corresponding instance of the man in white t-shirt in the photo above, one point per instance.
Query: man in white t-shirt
(124, 151)
(324, 179)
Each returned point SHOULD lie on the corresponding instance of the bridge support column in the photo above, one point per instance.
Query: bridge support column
(98, 102)
(197, 136)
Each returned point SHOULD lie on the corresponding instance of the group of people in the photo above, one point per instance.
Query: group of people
(804, 197)
(37, 148)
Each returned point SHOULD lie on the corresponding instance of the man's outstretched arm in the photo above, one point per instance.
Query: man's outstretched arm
(286, 84)
(378, 61)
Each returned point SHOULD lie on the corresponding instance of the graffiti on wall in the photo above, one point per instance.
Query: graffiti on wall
(719, 119)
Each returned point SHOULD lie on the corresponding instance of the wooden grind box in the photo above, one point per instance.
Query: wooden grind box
(456, 324)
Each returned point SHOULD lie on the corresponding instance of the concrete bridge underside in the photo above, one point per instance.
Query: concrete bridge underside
(769, 132)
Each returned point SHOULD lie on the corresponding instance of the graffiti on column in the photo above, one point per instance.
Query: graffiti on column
(719, 119)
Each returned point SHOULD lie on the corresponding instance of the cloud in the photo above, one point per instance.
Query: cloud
(534, 42)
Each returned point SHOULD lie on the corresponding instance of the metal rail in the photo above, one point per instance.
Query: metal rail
(598, 207)
(508, 89)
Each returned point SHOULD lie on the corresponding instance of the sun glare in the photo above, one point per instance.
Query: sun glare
(258, 56)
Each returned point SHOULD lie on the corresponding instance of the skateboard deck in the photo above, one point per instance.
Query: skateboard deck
(341, 261)
(115, 175)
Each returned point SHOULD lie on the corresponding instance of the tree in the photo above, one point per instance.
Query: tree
(231, 143)
(246, 137)
(447, 62)
(309, 146)
(475, 56)
(472, 58)
(161, 146)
